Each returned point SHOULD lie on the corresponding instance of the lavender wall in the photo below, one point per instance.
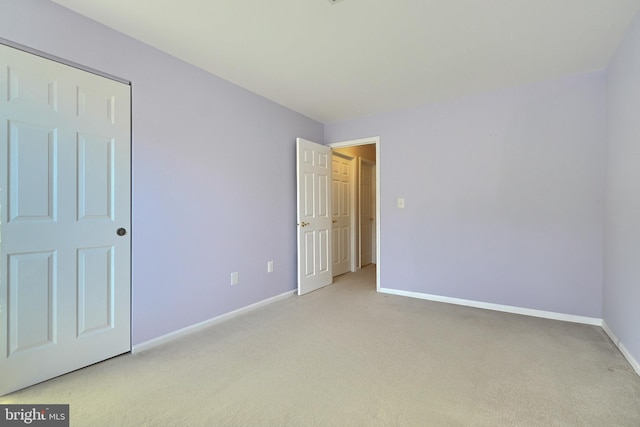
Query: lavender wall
(622, 219)
(213, 173)
(504, 191)
(504, 195)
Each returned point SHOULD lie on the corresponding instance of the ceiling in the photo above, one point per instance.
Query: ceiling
(353, 58)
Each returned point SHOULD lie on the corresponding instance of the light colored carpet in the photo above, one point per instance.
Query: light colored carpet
(348, 356)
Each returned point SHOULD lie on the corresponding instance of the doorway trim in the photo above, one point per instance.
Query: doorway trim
(365, 141)
(371, 164)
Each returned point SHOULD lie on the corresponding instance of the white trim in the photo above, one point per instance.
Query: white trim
(355, 221)
(147, 345)
(498, 307)
(609, 332)
(364, 141)
(358, 212)
(354, 142)
(632, 361)
(361, 161)
(62, 61)
(594, 321)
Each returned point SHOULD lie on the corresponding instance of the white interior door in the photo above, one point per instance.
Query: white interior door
(341, 210)
(366, 213)
(314, 215)
(64, 193)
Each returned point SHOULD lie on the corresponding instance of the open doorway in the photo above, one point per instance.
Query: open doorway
(360, 159)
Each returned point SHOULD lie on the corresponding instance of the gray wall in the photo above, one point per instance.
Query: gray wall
(213, 173)
(622, 242)
(504, 195)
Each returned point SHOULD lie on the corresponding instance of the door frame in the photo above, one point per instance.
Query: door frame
(371, 164)
(353, 247)
(63, 61)
(365, 141)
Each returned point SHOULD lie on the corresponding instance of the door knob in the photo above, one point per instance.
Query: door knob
(121, 231)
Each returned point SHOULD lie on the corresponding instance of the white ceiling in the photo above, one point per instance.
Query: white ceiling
(358, 57)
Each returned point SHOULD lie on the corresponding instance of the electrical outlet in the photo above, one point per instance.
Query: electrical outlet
(270, 267)
(234, 278)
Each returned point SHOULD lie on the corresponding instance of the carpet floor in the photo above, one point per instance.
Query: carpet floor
(347, 356)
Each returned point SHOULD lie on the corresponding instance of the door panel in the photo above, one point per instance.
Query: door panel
(96, 288)
(32, 291)
(322, 255)
(96, 162)
(33, 152)
(314, 219)
(64, 272)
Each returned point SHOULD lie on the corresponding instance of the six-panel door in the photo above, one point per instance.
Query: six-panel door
(64, 191)
(314, 215)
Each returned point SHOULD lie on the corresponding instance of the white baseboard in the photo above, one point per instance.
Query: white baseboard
(498, 307)
(207, 323)
(632, 361)
(527, 312)
(609, 332)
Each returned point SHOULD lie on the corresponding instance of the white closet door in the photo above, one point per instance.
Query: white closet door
(64, 219)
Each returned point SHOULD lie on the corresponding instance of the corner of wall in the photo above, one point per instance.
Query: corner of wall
(632, 361)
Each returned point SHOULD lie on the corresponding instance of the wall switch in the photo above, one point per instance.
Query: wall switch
(234, 278)
(401, 203)
(270, 267)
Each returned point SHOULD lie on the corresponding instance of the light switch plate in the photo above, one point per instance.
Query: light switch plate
(401, 203)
